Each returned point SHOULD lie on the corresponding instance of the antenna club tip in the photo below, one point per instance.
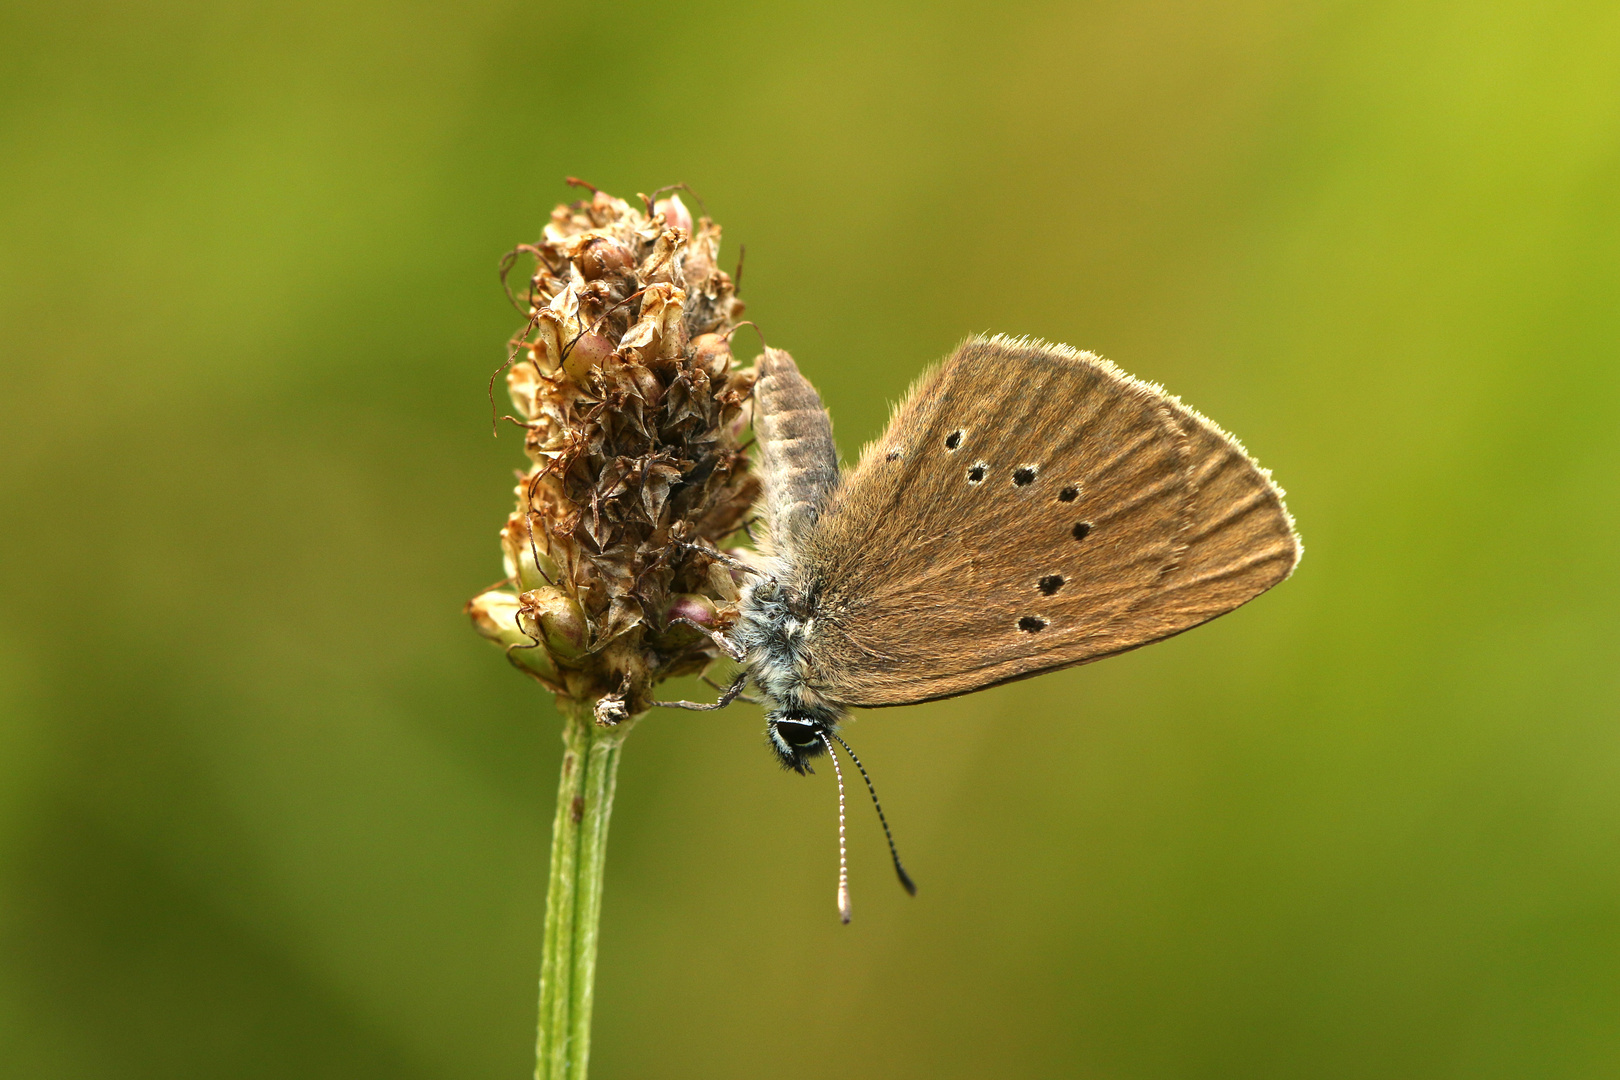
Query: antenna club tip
(906, 883)
(844, 911)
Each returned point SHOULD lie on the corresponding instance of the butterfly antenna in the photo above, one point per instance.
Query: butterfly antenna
(843, 861)
(905, 878)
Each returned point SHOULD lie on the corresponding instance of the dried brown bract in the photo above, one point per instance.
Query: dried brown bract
(633, 410)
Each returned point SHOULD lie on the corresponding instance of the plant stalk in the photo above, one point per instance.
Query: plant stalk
(590, 768)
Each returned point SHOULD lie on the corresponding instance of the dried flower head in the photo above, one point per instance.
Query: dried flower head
(633, 410)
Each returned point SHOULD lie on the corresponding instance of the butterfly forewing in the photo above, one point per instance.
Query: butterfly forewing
(1030, 508)
(1022, 500)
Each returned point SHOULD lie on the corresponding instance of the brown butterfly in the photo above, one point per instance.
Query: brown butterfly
(1029, 508)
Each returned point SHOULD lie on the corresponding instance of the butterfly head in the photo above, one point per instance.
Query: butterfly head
(795, 737)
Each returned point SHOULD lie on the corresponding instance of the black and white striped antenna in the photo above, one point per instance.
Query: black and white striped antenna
(843, 860)
(905, 878)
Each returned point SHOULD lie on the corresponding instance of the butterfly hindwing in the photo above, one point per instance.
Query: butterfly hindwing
(1240, 539)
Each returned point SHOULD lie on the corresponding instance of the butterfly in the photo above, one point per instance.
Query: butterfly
(1030, 507)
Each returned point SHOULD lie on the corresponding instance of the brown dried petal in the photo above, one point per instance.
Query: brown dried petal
(658, 332)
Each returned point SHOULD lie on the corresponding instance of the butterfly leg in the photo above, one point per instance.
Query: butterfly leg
(731, 650)
(731, 694)
(749, 698)
(720, 557)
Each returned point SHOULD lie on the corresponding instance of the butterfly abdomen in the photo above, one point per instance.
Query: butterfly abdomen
(798, 461)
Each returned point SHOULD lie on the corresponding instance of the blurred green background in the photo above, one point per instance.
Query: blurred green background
(269, 808)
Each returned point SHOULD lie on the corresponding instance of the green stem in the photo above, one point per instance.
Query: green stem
(590, 768)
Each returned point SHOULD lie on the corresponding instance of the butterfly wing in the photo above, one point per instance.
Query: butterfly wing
(1029, 508)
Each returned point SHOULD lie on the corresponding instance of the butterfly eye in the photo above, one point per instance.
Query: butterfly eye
(1051, 583)
(1082, 529)
(976, 474)
(1069, 494)
(895, 454)
(1024, 475)
(1030, 624)
(953, 440)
